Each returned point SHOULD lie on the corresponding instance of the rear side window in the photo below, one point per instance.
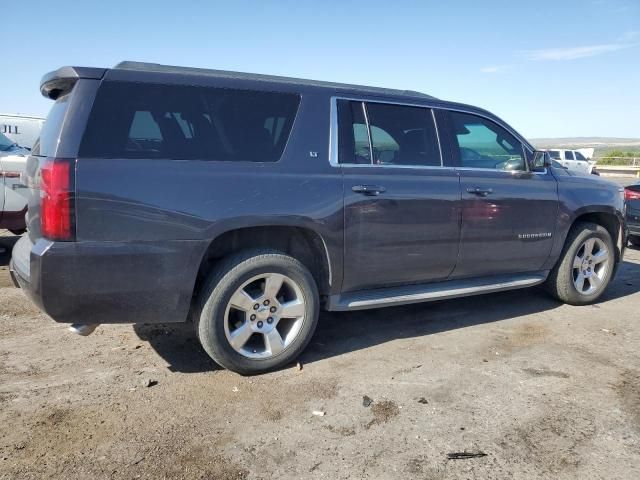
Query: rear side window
(394, 135)
(133, 120)
(402, 135)
(354, 134)
(555, 154)
(568, 155)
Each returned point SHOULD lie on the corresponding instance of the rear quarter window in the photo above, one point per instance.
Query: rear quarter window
(134, 120)
(47, 144)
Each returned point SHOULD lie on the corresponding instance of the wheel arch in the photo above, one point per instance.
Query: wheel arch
(608, 219)
(303, 243)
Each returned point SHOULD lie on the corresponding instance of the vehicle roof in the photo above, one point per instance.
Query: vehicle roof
(204, 72)
(129, 70)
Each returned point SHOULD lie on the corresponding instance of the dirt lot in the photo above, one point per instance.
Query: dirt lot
(544, 390)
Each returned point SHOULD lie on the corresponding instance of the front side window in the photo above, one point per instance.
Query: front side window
(482, 143)
(133, 120)
(568, 155)
(395, 135)
(580, 157)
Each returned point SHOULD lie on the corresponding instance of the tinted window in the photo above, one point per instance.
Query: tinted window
(482, 143)
(48, 141)
(131, 120)
(402, 135)
(555, 154)
(354, 136)
(568, 155)
(399, 135)
(579, 156)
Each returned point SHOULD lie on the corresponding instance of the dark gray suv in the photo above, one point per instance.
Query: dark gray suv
(245, 203)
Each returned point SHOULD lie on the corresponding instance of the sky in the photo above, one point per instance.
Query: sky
(549, 68)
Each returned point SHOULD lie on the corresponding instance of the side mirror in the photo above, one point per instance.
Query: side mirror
(541, 161)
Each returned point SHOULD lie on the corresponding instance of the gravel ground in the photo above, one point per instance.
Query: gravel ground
(543, 390)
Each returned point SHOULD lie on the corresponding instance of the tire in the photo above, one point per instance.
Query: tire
(18, 232)
(561, 282)
(216, 315)
(634, 240)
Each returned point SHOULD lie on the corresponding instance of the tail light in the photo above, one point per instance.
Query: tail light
(631, 194)
(57, 210)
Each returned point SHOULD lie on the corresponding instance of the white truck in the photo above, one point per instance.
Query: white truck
(573, 160)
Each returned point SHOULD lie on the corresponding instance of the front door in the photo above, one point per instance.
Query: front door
(401, 206)
(508, 212)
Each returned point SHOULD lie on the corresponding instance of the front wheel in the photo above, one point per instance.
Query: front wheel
(585, 267)
(257, 311)
(634, 240)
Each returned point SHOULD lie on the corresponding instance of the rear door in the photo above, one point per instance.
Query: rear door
(402, 207)
(508, 212)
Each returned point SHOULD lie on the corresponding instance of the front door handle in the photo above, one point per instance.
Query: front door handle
(481, 192)
(371, 190)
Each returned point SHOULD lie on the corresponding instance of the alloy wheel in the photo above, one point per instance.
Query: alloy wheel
(264, 316)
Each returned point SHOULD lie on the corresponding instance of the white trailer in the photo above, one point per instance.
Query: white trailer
(22, 129)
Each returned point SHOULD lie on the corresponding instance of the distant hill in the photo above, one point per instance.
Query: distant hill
(602, 145)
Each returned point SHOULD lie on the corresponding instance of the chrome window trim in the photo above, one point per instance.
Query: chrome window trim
(435, 125)
(478, 169)
(333, 135)
(366, 121)
(414, 167)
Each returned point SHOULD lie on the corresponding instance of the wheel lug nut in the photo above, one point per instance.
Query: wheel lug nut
(252, 317)
(256, 306)
(272, 309)
(260, 324)
(270, 320)
(265, 303)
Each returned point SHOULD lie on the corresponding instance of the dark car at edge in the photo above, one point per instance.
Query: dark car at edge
(632, 198)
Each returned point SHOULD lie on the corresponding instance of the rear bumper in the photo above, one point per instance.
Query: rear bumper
(108, 282)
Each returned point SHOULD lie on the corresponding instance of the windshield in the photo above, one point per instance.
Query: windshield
(5, 143)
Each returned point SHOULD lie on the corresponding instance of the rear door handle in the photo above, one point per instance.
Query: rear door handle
(481, 192)
(371, 190)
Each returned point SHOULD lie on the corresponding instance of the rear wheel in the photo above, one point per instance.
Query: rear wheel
(585, 267)
(257, 311)
(634, 240)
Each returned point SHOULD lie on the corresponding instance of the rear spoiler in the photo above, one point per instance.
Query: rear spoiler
(62, 80)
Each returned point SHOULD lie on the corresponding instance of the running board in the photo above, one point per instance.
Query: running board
(386, 297)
